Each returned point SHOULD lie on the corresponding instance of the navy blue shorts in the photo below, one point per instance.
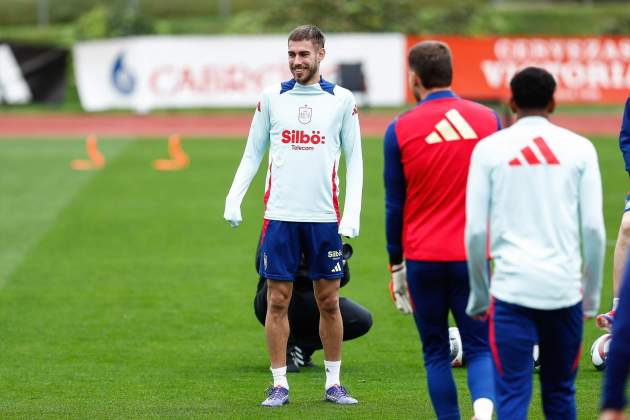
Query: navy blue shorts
(627, 206)
(283, 243)
(514, 330)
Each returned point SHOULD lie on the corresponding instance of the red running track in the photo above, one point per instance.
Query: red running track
(228, 125)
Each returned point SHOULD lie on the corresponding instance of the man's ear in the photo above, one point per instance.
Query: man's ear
(321, 53)
(513, 105)
(551, 106)
(414, 80)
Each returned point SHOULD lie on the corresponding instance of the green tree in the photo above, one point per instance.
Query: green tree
(113, 20)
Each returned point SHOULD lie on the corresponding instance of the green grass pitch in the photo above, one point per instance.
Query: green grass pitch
(124, 294)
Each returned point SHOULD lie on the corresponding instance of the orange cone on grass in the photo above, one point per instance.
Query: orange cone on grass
(95, 159)
(178, 158)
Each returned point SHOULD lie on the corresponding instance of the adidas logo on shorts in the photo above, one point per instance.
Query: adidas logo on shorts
(336, 269)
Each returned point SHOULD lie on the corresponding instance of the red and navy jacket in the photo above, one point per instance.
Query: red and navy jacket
(427, 155)
(624, 135)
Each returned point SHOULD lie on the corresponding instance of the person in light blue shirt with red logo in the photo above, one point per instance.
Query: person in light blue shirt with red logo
(427, 153)
(605, 321)
(534, 201)
(305, 123)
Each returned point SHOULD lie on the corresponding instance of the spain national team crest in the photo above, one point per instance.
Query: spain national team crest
(304, 114)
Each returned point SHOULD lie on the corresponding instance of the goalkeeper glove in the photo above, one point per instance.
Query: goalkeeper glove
(398, 288)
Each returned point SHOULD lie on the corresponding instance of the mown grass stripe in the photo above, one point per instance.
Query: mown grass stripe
(36, 183)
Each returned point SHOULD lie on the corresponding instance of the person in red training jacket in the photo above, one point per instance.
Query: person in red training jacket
(427, 154)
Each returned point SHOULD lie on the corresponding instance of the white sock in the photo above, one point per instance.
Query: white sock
(483, 407)
(615, 303)
(280, 377)
(332, 373)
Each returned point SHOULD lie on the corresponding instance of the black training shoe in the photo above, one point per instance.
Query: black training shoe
(293, 359)
(306, 360)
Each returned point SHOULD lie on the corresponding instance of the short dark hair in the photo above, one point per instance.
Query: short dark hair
(532, 88)
(308, 33)
(431, 61)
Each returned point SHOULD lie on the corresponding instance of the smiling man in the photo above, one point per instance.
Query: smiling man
(306, 122)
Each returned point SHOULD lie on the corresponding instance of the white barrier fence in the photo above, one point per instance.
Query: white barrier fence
(145, 73)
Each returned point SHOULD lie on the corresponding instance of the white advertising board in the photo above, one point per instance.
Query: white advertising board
(144, 73)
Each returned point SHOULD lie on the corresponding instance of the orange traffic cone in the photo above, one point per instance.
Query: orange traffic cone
(178, 158)
(95, 160)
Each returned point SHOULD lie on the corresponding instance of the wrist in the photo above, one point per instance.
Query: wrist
(394, 268)
(395, 259)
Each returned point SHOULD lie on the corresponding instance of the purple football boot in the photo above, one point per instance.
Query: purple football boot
(339, 395)
(276, 397)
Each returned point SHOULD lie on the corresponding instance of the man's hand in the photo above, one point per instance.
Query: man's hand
(482, 317)
(232, 214)
(612, 415)
(349, 230)
(398, 288)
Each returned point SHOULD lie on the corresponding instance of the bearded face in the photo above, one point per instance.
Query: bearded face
(303, 73)
(304, 59)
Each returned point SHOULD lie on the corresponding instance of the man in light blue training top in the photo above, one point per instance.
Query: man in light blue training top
(534, 192)
(305, 122)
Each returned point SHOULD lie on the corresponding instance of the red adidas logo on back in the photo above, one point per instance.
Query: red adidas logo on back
(530, 157)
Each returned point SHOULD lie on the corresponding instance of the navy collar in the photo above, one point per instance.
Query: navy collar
(440, 94)
(325, 85)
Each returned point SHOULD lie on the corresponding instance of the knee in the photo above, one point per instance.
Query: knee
(436, 351)
(476, 345)
(278, 302)
(328, 304)
(437, 357)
